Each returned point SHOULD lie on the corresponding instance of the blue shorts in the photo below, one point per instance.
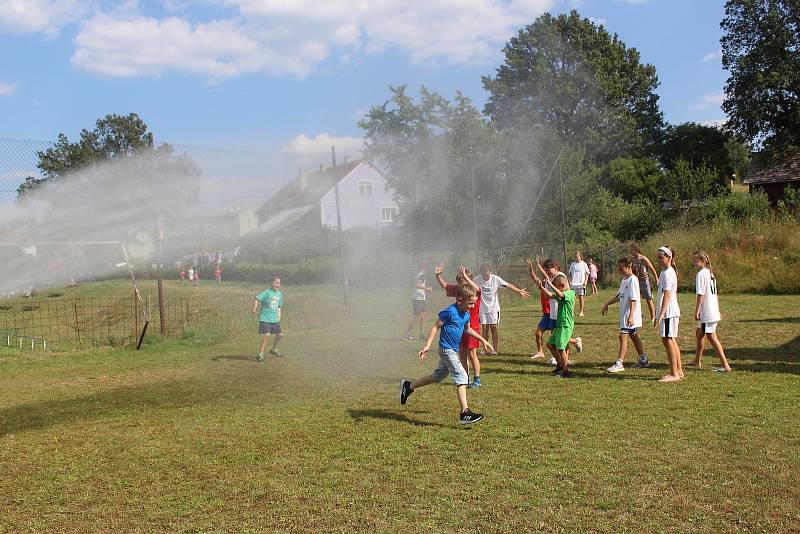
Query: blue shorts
(269, 328)
(547, 323)
(629, 331)
(450, 363)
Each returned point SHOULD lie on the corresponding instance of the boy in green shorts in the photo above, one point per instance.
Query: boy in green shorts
(561, 337)
(269, 323)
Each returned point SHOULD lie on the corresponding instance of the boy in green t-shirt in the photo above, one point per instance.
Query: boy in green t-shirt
(269, 322)
(561, 337)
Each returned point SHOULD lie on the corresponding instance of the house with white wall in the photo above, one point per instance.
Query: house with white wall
(309, 201)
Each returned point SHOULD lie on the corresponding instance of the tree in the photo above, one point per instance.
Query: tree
(633, 178)
(572, 75)
(113, 137)
(705, 145)
(761, 50)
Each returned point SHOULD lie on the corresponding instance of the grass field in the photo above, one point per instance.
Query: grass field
(195, 436)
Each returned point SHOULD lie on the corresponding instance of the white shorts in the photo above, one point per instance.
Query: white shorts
(708, 328)
(669, 327)
(490, 318)
(580, 291)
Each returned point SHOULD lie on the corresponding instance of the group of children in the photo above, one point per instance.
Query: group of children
(193, 275)
(477, 304)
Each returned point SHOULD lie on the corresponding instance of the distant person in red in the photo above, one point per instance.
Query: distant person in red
(469, 345)
(182, 275)
(196, 279)
(218, 274)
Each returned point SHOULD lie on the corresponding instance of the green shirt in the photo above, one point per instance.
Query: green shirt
(566, 307)
(271, 303)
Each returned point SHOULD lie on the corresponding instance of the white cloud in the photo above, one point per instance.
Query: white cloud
(708, 101)
(711, 56)
(35, 16)
(716, 123)
(294, 37)
(7, 89)
(321, 144)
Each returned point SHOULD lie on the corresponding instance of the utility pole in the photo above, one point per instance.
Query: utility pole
(162, 316)
(345, 282)
(563, 217)
(474, 216)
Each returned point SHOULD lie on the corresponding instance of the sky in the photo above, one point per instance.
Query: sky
(294, 76)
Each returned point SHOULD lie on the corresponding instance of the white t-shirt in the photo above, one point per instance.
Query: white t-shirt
(421, 279)
(553, 302)
(668, 281)
(706, 285)
(629, 291)
(191, 274)
(489, 301)
(578, 271)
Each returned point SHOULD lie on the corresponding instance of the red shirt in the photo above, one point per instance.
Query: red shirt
(474, 314)
(545, 302)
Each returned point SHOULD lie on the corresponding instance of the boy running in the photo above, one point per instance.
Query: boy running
(630, 315)
(269, 322)
(452, 323)
(549, 270)
(468, 351)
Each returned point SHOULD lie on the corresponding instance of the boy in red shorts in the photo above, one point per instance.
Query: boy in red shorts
(469, 345)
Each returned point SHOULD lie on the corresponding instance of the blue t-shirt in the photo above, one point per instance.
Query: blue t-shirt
(453, 324)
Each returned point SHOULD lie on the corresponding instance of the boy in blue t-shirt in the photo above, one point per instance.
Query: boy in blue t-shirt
(452, 324)
(269, 322)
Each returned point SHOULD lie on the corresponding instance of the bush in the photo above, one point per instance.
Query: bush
(638, 220)
(737, 205)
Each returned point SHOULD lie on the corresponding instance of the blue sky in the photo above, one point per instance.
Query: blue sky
(282, 75)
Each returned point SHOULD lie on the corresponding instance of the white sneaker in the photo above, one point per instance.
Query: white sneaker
(537, 356)
(617, 367)
(579, 345)
(552, 361)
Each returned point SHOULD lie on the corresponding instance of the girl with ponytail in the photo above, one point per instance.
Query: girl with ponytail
(706, 311)
(668, 312)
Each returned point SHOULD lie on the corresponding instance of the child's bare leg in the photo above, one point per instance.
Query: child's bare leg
(264, 341)
(422, 382)
(411, 325)
(276, 340)
(700, 345)
(623, 346)
(715, 342)
(461, 392)
(564, 354)
(652, 308)
(539, 341)
(672, 375)
(476, 363)
(554, 352)
(677, 355)
(463, 355)
(495, 336)
(421, 324)
(581, 303)
(637, 343)
(485, 331)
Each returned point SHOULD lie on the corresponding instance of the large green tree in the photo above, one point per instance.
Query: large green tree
(761, 49)
(570, 74)
(113, 137)
(699, 145)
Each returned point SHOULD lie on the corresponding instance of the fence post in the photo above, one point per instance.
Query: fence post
(77, 325)
(161, 315)
(135, 314)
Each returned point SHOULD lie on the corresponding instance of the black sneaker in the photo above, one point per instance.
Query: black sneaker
(556, 371)
(468, 417)
(566, 374)
(405, 391)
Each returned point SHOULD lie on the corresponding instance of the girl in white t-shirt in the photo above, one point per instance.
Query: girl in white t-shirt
(489, 284)
(668, 312)
(630, 315)
(706, 311)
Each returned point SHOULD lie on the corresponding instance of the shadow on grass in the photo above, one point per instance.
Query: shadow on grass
(167, 396)
(578, 372)
(234, 357)
(390, 415)
(771, 320)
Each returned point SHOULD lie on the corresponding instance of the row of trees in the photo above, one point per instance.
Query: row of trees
(574, 104)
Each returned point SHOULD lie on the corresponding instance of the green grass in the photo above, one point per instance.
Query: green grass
(195, 436)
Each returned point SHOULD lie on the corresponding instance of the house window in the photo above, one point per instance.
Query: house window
(388, 214)
(365, 189)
